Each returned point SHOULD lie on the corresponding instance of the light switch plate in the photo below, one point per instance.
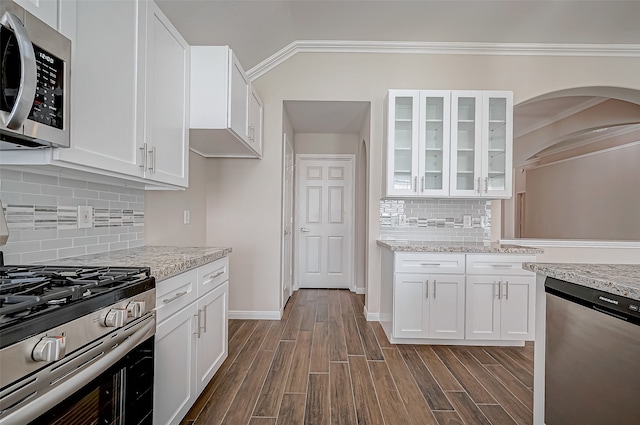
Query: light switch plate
(85, 217)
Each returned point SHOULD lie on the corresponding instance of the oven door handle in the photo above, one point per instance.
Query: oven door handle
(28, 73)
(41, 404)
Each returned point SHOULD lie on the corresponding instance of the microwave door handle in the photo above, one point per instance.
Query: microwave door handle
(28, 73)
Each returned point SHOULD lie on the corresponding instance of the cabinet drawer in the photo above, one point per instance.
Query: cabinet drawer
(175, 293)
(211, 275)
(411, 262)
(498, 264)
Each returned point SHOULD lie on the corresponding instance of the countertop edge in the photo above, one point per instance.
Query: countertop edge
(580, 275)
(462, 248)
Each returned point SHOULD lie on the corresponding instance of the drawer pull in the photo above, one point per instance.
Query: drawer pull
(178, 295)
(430, 264)
(220, 273)
(502, 266)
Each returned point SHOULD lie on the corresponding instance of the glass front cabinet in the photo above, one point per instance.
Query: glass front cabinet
(449, 143)
(418, 143)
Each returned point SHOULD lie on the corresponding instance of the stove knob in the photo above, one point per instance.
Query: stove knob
(48, 349)
(115, 318)
(135, 308)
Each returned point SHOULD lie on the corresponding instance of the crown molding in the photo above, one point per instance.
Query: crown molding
(562, 115)
(447, 48)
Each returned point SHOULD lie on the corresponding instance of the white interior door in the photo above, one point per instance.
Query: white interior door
(287, 221)
(324, 221)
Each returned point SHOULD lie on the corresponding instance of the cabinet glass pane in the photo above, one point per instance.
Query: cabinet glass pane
(433, 154)
(497, 143)
(403, 143)
(466, 135)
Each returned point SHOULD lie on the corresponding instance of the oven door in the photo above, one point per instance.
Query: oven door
(108, 381)
(121, 395)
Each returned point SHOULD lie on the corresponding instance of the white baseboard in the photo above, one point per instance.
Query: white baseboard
(255, 315)
(371, 317)
(361, 291)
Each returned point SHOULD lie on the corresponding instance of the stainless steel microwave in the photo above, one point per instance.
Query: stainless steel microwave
(34, 89)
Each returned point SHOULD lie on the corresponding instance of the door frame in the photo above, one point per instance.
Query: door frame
(296, 235)
(286, 144)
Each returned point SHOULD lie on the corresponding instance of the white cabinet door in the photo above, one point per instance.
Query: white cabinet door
(254, 137)
(238, 98)
(497, 149)
(446, 306)
(466, 143)
(483, 307)
(500, 307)
(434, 143)
(410, 314)
(166, 101)
(175, 359)
(105, 88)
(402, 128)
(212, 336)
(481, 144)
(517, 308)
(45, 10)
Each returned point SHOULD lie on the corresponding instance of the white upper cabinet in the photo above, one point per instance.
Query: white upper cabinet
(255, 121)
(167, 101)
(481, 144)
(449, 143)
(45, 10)
(220, 105)
(130, 93)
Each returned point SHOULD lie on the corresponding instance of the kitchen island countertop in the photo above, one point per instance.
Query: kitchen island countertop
(617, 279)
(398, 245)
(164, 261)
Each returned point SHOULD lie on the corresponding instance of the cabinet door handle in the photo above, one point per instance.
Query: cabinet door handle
(197, 332)
(427, 296)
(434, 290)
(143, 164)
(486, 184)
(154, 157)
(422, 184)
(479, 185)
(506, 292)
(499, 289)
(204, 319)
(415, 184)
(28, 73)
(178, 295)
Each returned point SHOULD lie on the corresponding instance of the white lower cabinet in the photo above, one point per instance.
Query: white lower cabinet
(457, 298)
(500, 307)
(428, 306)
(191, 337)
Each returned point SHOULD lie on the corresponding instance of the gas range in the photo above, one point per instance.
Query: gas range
(34, 298)
(62, 327)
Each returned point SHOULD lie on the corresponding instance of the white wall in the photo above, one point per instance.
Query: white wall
(164, 221)
(595, 196)
(326, 143)
(244, 199)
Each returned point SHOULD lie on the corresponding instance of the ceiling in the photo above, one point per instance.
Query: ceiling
(257, 30)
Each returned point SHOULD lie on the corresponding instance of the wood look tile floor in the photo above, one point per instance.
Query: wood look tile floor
(323, 363)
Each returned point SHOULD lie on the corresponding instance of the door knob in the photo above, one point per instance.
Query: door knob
(304, 230)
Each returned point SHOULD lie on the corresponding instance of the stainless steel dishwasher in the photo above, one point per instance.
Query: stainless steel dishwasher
(592, 372)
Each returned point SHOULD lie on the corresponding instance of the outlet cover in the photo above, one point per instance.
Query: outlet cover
(85, 217)
(466, 221)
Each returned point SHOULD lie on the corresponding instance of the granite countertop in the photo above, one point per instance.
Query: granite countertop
(164, 261)
(460, 247)
(618, 279)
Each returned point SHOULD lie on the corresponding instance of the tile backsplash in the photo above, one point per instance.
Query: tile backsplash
(447, 220)
(42, 217)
